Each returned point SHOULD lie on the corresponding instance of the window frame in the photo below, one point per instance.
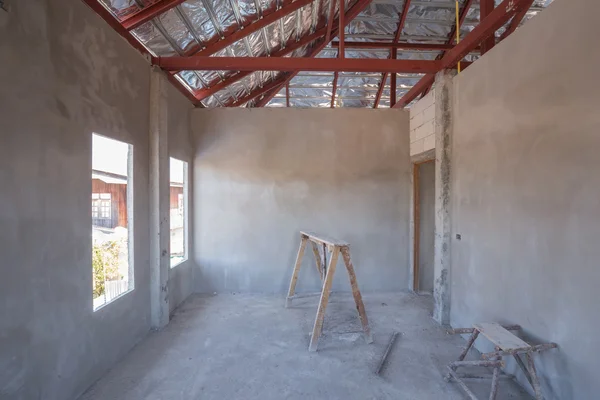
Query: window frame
(185, 215)
(129, 204)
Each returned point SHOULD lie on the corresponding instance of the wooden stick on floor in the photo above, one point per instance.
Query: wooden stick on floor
(288, 300)
(356, 293)
(318, 327)
(387, 352)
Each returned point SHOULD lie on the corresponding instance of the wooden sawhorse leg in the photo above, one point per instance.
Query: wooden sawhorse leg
(318, 327)
(357, 296)
(288, 300)
(495, 377)
(535, 382)
(462, 356)
(320, 266)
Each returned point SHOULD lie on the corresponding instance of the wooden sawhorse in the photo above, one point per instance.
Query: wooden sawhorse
(335, 247)
(506, 344)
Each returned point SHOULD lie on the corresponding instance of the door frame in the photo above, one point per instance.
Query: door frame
(416, 222)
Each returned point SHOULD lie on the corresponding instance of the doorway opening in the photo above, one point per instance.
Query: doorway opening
(423, 226)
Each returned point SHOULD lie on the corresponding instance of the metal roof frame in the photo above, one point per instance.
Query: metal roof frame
(255, 53)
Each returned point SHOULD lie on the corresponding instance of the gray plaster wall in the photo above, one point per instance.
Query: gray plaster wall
(526, 192)
(261, 175)
(65, 75)
(181, 280)
(426, 225)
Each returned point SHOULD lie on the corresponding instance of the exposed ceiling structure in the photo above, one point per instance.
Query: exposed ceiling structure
(305, 53)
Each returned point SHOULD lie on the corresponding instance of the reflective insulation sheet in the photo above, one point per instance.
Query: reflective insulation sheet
(194, 25)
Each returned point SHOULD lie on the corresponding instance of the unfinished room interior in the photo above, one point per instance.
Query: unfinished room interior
(299, 199)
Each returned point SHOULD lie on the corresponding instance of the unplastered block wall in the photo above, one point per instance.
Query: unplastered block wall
(422, 125)
(526, 193)
(262, 175)
(64, 75)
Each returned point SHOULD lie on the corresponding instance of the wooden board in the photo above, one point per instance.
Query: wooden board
(324, 239)
(500, 337)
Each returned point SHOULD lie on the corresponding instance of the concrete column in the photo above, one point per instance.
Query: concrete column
(159, 202)
(443, 149)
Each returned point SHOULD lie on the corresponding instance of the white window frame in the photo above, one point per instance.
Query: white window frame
(184, 209)
(122, 287)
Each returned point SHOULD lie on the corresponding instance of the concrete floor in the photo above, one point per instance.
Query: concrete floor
(251, 347)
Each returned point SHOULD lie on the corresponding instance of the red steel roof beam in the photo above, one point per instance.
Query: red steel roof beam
(399, 29)
(297, 64)
(485, 8)
(269, 86)
(253, 27)
(330, 21)
(514, 24)
(452, 36)
(498, 17)
(495, 20)
(348, 17)
(335, 78)
(341, 30)
(263, 102)
(118, 27)
(392, 45)
(393, 81)
(149, 13)
(461, 20)
(292, 45)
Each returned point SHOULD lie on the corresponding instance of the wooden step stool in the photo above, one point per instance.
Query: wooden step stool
(506, 344)
(335, 247)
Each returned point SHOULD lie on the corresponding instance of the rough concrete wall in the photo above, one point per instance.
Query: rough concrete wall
(422, 132)
(426, 225)
(526, 192)
(262, 175)
(64, 74)
(181, 277)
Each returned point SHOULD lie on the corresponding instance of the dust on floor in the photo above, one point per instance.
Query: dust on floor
(251, 347)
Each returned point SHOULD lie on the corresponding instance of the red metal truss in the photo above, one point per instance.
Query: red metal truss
(424, 83)
(149, 13)
(461, 20)
(399, 29)
(293, 45)
(515, 21)
(392, 45)
(330, 21)
(485, 8)
(269, 86)
(452, 36)
(498, 17)
(253, 27)
(333, 90)
(393, 94)
(118, 27)
(296, 64)
(348, 17)
(341, 29)
(285, 80)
